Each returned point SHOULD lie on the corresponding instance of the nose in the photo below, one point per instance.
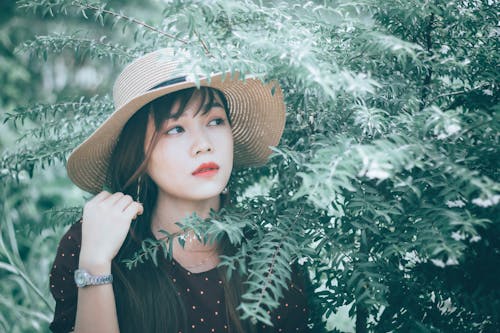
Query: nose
(202, 144)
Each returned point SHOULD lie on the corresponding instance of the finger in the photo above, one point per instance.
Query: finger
(101, 196)
(123, 202)
(133, 210)
(141, 208)
(113, 199)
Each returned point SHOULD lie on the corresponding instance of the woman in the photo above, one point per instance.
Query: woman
(165, 153)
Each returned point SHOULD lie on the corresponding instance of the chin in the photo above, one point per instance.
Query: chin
(206, 195)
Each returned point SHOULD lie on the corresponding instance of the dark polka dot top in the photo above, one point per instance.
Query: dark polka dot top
(202, 295)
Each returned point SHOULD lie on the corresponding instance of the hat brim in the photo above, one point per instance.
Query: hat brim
(257, 114)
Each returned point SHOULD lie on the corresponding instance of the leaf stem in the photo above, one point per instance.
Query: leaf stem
(130, 19)
(271, 266)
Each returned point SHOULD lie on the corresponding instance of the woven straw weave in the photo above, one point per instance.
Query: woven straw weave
(257, 115)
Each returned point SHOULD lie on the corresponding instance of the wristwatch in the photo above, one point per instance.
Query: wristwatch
(84, 278)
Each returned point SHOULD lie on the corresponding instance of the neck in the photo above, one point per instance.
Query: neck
(170, 210)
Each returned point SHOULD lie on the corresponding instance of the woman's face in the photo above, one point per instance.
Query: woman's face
(193, 158)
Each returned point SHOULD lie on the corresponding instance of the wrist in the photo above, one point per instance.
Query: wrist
(83, 279)
(95, 266)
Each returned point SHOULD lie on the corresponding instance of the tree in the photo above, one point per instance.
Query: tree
(384, 186)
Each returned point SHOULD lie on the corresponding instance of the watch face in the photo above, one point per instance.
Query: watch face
(80, 278)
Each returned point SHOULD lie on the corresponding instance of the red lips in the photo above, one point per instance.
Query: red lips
(206, 169)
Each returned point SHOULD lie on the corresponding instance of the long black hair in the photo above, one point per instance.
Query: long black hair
(141, 292)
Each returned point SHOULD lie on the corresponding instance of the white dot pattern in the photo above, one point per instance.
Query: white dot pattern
(201, 293)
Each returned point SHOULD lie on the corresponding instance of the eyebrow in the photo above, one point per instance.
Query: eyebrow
(202, 112)
(217, 104)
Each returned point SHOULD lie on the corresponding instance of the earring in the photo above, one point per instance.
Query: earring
(138, 194)
(225, 190)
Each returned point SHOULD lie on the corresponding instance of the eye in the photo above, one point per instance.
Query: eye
(216, 122)
(175, 130)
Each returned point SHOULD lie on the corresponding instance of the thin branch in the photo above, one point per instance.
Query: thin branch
(205, 47)
(269, 273)
(271, 266)
(457, 92)
(428, 47)
(84, 6)
(70, 41)
(470, 129)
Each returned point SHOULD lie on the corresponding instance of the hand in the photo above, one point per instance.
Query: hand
(106, 221)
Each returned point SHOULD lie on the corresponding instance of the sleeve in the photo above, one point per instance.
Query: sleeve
(62, 285)
(293, 313)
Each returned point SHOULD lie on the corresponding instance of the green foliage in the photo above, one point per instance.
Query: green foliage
(60, 122)
(83, 46)
(385, 184)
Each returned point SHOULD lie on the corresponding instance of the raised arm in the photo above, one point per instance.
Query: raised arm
(106, 221)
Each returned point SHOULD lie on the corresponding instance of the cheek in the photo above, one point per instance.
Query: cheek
(161, 158)
(231, 148)
(227, 142)
(228, 137)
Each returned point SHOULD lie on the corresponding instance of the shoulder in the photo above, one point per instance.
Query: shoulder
(62, 287)
(69, 246)
(73, 235)
(68, 252)
(71, 240)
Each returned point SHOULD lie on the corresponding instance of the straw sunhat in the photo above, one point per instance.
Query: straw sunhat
(257, 115)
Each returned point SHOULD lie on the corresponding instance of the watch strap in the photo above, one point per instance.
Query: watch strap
(100, 279)
(84, 278)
